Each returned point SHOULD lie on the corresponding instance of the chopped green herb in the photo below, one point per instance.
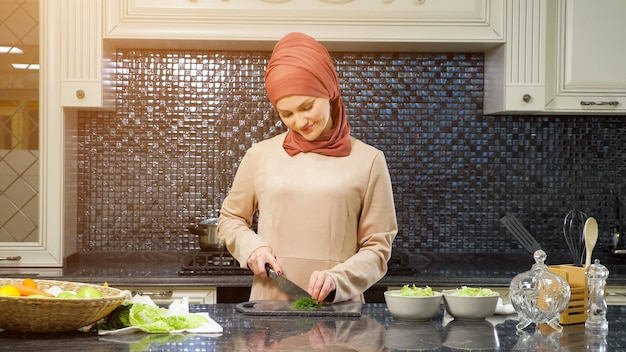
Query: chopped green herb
(306, 303)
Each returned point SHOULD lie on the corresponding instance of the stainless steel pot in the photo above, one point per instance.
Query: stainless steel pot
(206, 230)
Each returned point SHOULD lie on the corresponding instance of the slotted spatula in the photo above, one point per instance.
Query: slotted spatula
(521, 234)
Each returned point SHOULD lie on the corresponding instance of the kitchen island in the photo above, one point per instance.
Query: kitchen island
(375, 330)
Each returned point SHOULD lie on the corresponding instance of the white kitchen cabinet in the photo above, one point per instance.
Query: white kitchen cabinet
(560, 56)
(70, 76)
(85, 65)
(24, 243)
(515, 71)
(166, 295)
(250, 23)
(585, 71)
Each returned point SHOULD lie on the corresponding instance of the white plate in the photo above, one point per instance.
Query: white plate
(210, 327)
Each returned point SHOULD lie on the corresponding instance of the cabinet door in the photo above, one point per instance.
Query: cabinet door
(85, 69)
(585, 66)
(237, 21)
(166, 295)
(514, 71)
(24, 240)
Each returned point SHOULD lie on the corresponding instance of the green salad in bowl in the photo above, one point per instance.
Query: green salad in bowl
(413, 303)
(473, 292)
(412, 291)
(470, 303)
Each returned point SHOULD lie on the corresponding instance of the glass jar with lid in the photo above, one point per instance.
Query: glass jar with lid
(538, 295)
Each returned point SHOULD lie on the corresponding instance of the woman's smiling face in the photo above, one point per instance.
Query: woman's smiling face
(305, 115)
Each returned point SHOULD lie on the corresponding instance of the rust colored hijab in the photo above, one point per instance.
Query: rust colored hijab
(302, 66)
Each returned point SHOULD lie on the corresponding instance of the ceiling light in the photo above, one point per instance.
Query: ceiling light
(10, 50)
(25, 66)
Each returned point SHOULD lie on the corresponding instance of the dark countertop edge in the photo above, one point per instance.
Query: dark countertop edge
(246, 281)
(161, 272)
(197, 281)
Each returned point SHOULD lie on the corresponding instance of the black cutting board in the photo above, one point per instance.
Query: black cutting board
(280, 308)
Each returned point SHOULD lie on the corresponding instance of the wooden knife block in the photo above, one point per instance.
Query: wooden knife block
(576, 311)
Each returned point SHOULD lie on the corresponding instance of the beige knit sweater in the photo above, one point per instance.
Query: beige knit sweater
(316, 212)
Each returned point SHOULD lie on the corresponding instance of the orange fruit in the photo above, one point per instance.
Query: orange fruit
(30, 283)
(10, 291)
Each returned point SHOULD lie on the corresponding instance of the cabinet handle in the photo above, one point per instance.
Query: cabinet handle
(155, 294)
(11, 259)
(80, 94)
(589, 103)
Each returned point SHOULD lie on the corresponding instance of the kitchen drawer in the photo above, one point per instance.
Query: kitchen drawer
(166, 295)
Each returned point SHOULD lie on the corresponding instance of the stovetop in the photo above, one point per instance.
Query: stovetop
(218, 262)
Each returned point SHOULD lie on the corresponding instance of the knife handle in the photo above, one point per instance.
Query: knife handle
(268, 269)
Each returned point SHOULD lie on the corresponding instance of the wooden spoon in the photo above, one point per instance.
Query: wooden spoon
(591, 237)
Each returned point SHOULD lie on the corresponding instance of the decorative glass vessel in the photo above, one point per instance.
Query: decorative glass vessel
(538, 295)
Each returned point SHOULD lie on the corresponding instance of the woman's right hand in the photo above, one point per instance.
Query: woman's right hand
(256, 261)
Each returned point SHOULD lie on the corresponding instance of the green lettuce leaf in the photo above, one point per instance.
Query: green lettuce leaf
(410, 291)
(474, 292)
(154, 319)
(143, 313)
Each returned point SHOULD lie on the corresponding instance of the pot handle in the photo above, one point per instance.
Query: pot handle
(195, 229)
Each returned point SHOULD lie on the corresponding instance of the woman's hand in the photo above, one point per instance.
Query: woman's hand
(320, 285)
(256, 261)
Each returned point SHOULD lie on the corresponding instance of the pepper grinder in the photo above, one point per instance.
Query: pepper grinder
(596, 274)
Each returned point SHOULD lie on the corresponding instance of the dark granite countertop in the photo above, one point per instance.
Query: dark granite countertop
(375, 330)
(162, 269)
(152, 269)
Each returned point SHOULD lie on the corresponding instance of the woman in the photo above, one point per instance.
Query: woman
(326, 216)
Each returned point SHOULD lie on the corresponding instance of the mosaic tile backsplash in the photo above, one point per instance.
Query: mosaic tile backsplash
(168, 153)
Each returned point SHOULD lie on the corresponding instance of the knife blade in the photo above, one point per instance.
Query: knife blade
(286, 285)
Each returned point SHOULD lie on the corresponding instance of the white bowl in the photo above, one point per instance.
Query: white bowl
(469, 307)
(412, 308)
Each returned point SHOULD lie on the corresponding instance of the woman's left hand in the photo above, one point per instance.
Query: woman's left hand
(320, 285)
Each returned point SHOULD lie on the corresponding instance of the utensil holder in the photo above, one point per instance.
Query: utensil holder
(576, 311)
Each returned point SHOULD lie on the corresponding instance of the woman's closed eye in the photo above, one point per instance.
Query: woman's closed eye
(285, 115)
(304, 107)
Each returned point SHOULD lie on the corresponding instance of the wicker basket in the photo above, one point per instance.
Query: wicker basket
(56, 314)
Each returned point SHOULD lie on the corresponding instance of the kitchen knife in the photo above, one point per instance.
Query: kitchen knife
(285, 285)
